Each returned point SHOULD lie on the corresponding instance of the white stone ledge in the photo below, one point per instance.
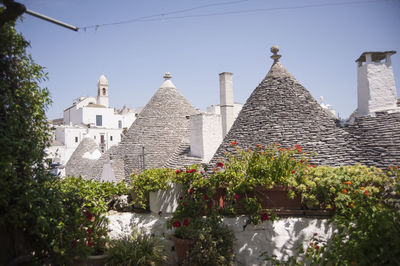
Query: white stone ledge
(280, 238)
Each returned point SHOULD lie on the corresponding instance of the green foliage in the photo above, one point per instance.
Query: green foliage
(214, 245)
(366, 216)
(136, 249)
(83, 229)
(28, 203)
(150, 180)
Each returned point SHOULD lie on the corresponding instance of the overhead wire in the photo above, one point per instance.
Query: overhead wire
(165, 16)
(162, 14)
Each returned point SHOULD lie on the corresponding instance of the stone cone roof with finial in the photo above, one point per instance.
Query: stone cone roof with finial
(280, 110)
(160, 128)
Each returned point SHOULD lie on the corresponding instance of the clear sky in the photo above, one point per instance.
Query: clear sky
(196, 40)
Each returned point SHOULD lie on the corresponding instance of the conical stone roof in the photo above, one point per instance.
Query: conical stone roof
(159, 128)
(280, 110)
(83, 159)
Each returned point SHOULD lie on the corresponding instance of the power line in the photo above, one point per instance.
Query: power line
(164, 16)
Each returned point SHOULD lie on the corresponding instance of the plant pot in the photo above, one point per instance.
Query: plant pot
(182, 246)
(165, 201)
(277, 198)
(97, 260)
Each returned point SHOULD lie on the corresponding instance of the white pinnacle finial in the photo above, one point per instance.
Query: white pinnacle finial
(167, 76)
(275, 56)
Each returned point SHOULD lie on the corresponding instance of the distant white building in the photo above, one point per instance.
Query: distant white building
(90, 117)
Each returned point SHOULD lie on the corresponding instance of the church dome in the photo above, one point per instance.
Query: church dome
(103, 80)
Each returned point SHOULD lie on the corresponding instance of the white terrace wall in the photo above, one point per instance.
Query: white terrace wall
(280, 238)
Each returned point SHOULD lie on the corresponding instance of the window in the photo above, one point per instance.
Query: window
(110, 138)
(119, 124)
(99, 120)
(104, 91)
(76, 139)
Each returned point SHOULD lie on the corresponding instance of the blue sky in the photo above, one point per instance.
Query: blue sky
(319, 41)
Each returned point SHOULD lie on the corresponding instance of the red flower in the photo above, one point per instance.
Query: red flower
(298, 148)
(236, 197)
(293, 171)
(259, 146)
(206, 197)
(219, 164)
(344, 191)
(89, 216)
(314, 166)
(178, 171)
(366, 193)
(176, 224)
(316, 247)
(186, 222)
(191, 171)
(89, 231)
(184, 204)
(315, 234)
(191, 191)
(308, 189)
(233, 143)
(264, 216)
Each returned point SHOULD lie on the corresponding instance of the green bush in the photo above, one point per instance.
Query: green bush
(214, 245)
(29, 205)
(83, 229)
(136, 249)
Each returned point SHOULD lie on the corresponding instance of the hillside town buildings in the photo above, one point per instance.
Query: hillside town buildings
(89, 117)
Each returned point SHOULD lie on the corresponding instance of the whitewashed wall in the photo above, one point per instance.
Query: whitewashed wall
(280, 238)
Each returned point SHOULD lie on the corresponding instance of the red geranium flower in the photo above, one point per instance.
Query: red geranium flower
(293, 171)
(298, 148)
(186, 222)
(89, 216)
(236, 197)
(308, 189)
(259, 146)
(191, 191)
(264, 216)
(176, 224)
(219, 164)
(316, 247)
(366, 193)
(178, 171)
(233, 143)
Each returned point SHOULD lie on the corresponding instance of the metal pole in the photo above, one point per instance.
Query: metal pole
(52, 20)
(144, 163)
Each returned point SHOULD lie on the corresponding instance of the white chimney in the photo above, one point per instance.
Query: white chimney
(205, 135)
(226, 101)
(375, 83)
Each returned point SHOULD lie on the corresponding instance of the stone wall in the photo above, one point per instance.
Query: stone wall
(280, 238)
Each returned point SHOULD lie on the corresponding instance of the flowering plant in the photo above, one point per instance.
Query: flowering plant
(83, 230)
(245, 172)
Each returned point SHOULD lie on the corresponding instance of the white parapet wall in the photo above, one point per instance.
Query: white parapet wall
(280, 238)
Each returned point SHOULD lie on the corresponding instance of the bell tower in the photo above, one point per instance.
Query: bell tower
(102, 91)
